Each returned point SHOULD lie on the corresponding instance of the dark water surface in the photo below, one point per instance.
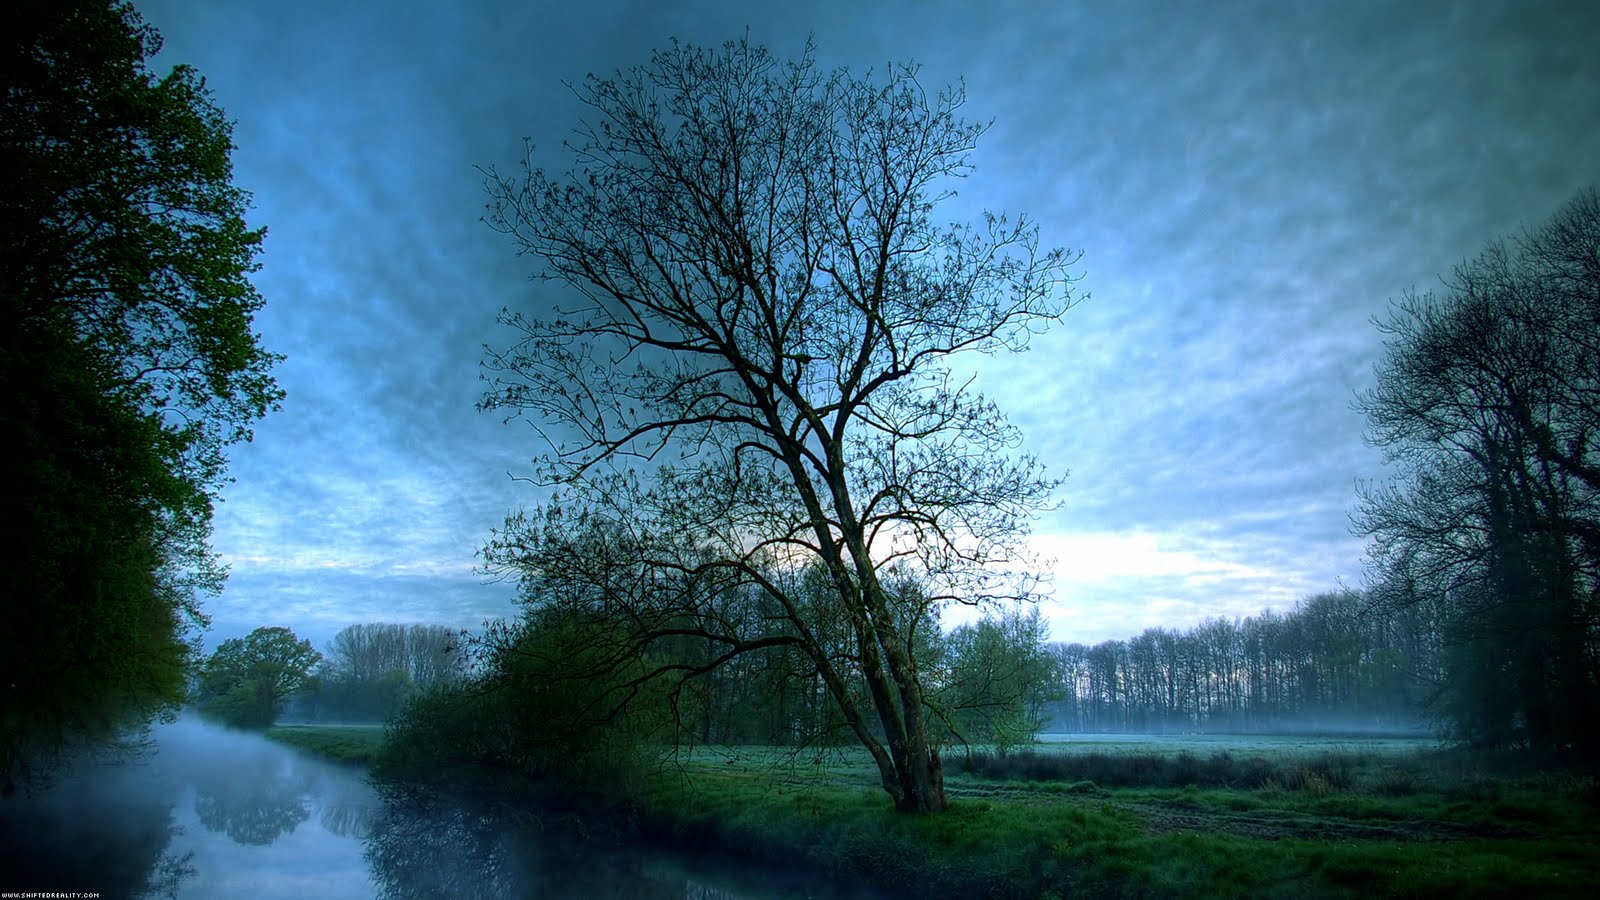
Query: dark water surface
(216, 813)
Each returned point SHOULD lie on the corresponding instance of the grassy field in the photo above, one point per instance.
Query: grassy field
(1136, 817)
(357, 744)
(1162, 818)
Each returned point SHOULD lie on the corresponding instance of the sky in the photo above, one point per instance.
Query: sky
(1249, 183)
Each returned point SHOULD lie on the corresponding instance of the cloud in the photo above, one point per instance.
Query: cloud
(1250, 185)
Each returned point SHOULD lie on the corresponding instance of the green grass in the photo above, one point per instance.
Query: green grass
(1138, 821)
(1316, 825)
(357, 744)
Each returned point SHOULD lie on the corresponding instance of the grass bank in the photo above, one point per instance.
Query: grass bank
(356, 744)
(1057, 822)
(1329, 824)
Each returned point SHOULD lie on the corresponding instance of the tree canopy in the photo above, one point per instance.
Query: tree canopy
(127, 365)
(1488, 407)
(746, 388)
(247, 682)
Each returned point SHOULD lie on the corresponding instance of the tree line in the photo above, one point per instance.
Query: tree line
(369, 672)
(1334, 662)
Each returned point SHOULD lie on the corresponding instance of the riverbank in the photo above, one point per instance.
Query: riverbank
(354, 744)
(1057, 822)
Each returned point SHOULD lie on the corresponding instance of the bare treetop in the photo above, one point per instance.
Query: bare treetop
(759, 321)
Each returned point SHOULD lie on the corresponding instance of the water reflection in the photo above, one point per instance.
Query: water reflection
(169, 874)
(252, 807)
(98, 827)
(214, 813)
(427, 848)
(422, 847)
(208, 813)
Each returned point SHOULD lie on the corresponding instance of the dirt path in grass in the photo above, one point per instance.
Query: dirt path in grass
(1283, 825)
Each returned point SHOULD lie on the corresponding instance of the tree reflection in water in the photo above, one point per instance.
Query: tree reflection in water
(169, 874)
(423, 847)
(255, 804)
(102, 826)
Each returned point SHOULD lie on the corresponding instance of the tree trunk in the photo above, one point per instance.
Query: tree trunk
(922, 776)
(918, 773)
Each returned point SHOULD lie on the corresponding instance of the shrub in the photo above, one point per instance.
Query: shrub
(555, 713)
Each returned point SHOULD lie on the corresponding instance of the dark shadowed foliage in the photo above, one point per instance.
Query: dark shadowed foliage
(1488, 408)
(127, 365)
(557, 710)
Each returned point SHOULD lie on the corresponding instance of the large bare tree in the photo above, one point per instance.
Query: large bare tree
(749, 377)
(1488, 405)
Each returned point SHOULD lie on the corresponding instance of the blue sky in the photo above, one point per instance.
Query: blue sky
(1249, 183)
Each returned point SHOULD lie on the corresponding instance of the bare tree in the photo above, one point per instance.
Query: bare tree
(754, 376)
(1488, 404)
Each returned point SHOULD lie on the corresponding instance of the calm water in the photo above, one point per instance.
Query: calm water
(214, 813)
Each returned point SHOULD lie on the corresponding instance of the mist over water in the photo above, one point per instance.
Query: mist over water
(208, 812)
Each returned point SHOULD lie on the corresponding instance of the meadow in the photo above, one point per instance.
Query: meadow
(356, 744)
(1140, 816)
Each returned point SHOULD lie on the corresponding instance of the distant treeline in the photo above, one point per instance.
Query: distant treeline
(370, 671)
(1334, 662)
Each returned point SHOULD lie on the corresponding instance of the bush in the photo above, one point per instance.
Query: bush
(556, 713)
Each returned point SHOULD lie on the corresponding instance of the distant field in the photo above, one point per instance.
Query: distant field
(345, 743)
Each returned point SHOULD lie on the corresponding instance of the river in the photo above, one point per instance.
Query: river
(205, 812)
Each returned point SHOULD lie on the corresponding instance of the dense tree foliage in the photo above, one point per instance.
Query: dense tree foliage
(749, 379)
(127, 365)
(371, 670)
(247, 682)
(995, 679)
(540, 712)
(1488, 408)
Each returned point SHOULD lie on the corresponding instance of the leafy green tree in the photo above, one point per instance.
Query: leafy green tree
(997, 675)
(561, 702)
(247, 682)
(127, 366)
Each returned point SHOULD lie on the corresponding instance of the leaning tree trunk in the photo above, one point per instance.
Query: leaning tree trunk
(917, 782)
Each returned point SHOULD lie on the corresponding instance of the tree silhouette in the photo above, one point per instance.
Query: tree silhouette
(751, 372)
(1488, 406)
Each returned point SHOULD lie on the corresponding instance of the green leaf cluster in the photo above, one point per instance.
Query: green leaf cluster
(247, 682)
(127, 365)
